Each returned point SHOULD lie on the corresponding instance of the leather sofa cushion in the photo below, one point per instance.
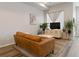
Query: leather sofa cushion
(29, 36)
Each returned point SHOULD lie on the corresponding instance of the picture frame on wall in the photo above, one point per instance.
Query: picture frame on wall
(33, 19)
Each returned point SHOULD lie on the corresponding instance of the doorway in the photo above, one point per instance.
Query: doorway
(77, 21)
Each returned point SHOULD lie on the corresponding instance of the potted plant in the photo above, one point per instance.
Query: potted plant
(43, 26)
(69, 25)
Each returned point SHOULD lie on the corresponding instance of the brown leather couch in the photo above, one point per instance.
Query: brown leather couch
(39, 46)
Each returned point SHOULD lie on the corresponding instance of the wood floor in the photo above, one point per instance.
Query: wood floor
(74, 51)
(10, 51)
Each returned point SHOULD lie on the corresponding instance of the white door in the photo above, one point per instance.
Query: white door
(77, 21)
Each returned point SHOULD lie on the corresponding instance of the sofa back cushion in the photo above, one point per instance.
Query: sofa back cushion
(29, 36)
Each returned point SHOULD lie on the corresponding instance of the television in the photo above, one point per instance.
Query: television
(55, 25)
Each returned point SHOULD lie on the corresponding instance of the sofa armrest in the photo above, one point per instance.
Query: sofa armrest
(46, 46)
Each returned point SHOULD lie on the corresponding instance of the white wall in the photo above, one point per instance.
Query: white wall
(67, 7)
(15, 17)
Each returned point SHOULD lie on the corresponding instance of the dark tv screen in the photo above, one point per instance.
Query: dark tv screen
(55, 25)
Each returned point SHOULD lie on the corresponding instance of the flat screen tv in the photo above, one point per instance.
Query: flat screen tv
(55, 25)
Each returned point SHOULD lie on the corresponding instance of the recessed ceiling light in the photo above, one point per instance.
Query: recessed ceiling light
(43, 5)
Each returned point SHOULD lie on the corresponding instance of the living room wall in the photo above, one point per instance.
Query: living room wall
(15, 17)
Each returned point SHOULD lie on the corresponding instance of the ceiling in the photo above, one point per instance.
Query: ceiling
(50, 3)
(42, 5)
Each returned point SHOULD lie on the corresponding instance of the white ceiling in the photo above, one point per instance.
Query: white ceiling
(42, 5)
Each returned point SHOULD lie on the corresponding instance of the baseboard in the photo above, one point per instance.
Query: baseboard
(6, 44)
